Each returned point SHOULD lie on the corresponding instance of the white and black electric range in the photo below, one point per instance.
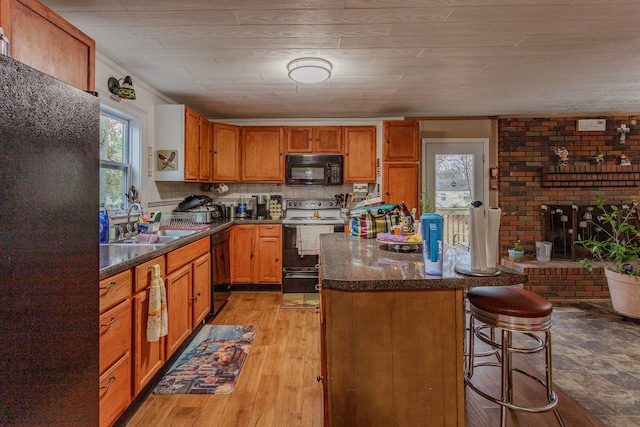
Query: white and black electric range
(304, 221)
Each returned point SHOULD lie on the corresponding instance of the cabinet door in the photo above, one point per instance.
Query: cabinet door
(263, 154)
(201, 294)
(191, 144)
(45, 41)
(400, 141)
(205, 151)
(360, 154)
(242, 253)
(149, 356)
(269, 260)
(400, 183)
(226, 153)
(327, 139)
(299, 140)
(178, 286)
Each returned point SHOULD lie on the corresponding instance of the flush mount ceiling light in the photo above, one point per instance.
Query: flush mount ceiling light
(309, 70)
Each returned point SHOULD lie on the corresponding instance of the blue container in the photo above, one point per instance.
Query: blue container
(104, 226)
(432, 228)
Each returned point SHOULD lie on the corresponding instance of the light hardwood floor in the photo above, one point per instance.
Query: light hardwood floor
(278, 387)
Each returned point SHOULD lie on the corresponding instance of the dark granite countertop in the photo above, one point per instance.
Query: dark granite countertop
(350, 263)
(114, 259)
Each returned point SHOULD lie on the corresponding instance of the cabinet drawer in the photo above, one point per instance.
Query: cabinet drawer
(115, 333)
(143, 273)
(115, 289)
(270, 230)
(115, 390)
(186, 254)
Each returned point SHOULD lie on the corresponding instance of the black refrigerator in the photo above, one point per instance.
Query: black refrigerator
(49, 250)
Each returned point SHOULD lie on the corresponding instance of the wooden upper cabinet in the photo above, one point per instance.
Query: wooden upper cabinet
(198, 150)
(191, 144)
(318, 139)
(400, 183)
(400, 141)
(359, 154)
(262, 154)
(205, 150)
(226, 153)
(45, 41)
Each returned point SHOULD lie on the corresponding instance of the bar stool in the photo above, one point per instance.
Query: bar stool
(506, 310)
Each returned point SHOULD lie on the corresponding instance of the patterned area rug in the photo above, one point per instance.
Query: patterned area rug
(299, 300)
(211, 363)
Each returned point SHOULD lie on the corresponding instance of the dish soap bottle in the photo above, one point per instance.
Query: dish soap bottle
(104, 225)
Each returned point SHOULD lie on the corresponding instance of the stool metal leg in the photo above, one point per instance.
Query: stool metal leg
(504, 351)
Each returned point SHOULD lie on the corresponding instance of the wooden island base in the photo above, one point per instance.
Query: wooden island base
(393, 357)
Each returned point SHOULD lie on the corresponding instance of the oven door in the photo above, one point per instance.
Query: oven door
(299, 272)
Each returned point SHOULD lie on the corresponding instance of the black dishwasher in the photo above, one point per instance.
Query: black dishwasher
(220, 270)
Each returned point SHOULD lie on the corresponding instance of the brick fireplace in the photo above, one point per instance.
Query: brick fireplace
(530, 179)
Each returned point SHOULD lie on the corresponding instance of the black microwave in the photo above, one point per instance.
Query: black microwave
(313, 169)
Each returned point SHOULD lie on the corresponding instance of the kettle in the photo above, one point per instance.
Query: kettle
(543, 251)
(432, 228)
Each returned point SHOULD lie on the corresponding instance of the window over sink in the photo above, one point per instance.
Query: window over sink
(119, 147)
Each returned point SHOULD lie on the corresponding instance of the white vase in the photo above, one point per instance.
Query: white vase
(625, 293)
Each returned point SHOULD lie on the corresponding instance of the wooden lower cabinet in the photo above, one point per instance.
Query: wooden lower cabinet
(256, 254)
(201, 293)
(178, 293)
(392, 358)
(115, 390)
(115, 346)
(188, 286)
(149, 356)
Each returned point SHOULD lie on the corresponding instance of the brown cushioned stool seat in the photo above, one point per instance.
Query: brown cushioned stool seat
(510, 310)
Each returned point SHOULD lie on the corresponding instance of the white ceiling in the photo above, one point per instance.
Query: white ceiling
(412, 58)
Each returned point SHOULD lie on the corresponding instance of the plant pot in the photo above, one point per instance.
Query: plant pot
(515, 255)
(625, 293)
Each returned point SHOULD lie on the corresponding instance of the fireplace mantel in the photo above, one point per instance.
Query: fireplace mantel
(591, 176)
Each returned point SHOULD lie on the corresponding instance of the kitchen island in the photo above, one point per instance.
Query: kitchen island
(392, 336)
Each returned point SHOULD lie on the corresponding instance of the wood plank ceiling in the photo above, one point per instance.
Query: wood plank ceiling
(412, 58)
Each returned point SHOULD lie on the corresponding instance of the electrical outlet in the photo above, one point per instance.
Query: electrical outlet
(360, 188)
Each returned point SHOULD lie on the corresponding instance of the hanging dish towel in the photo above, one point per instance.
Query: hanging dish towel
(308, 238)
(157, 319)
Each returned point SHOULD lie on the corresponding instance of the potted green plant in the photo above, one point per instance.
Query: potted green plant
(616, 245)
(516, 252)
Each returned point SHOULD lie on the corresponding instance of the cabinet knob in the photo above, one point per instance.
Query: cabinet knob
(388, 142)
(252, 254)
(387, 193)
(319, 378)
(277, 259)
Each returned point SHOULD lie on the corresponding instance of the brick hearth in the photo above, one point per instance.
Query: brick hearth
(530, 178)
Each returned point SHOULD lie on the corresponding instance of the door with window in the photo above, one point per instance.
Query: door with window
(454, 175)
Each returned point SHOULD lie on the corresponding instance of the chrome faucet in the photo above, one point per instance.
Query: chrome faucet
(129, 212)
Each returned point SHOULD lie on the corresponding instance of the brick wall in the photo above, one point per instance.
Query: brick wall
(526, 151)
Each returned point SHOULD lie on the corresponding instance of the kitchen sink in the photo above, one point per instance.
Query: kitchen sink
(162, 240)
(164, 237)
(175, 233)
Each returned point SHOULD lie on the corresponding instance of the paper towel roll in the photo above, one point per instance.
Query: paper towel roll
(477, 245)
(493, 231)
